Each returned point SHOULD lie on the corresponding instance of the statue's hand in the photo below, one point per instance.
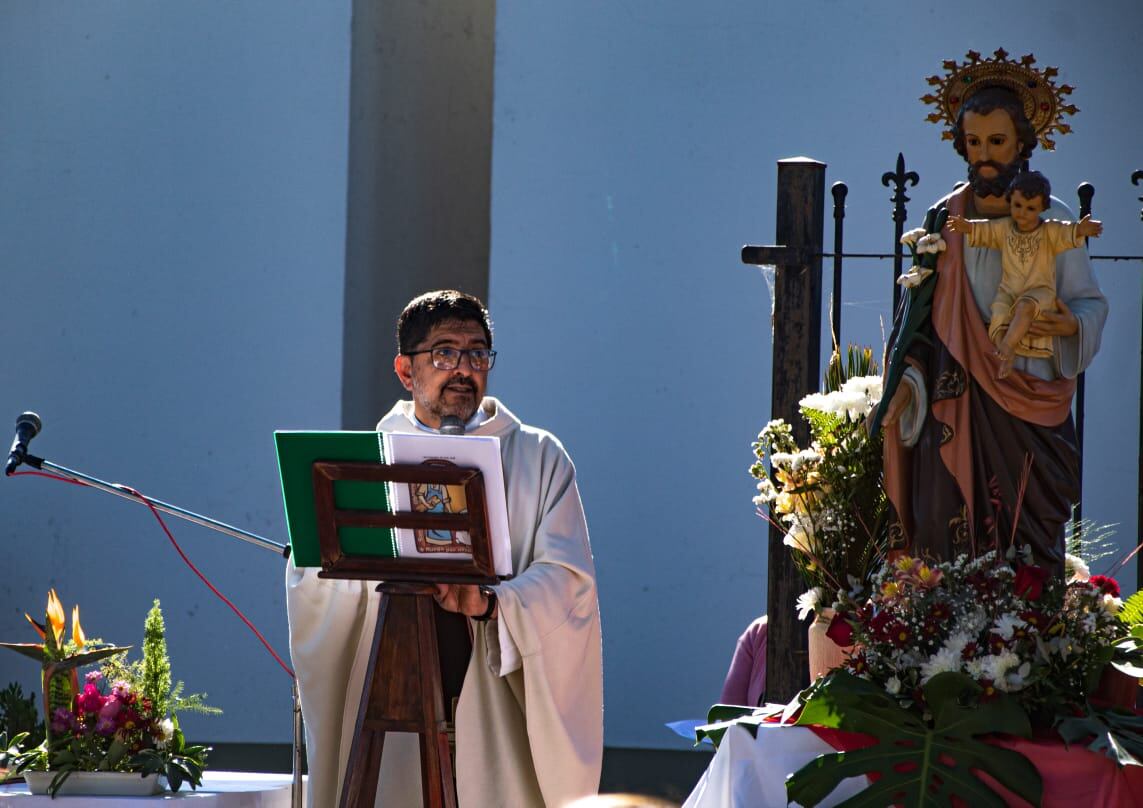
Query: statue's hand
(900, 402)
(1060, 323)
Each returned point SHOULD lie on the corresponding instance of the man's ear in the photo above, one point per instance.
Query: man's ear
(403, 367)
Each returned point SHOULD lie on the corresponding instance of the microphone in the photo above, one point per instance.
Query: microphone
(450, 425)
(27, 427)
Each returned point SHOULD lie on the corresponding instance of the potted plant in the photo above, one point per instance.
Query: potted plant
(119, 732)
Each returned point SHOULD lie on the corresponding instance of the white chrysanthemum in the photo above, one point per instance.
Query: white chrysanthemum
(1075, 568)
(893, 686)
(868, 386)
(853, 405)
(816, 401)
(912, 236)
(997, 666)
(809, 601)
(1006, 625)
(943, 660)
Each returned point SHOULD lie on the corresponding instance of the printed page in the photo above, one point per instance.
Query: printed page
(465, 451)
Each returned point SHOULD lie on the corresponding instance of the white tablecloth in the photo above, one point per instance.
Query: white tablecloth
(751, 773)
(218, 790)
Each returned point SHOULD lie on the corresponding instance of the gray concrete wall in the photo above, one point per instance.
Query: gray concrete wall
(634, 153)
(420, 143)
(173, 185)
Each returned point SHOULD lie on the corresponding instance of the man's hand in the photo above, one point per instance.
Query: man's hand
(1060, 323)
(467, 599)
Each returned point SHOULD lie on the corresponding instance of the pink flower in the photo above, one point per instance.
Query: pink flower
(90, 700)
(62, 720)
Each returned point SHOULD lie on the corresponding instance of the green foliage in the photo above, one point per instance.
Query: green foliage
(151, 675)
(722, 717)
(859, 361)
(156, 674)
(1132, 612)
(916, 764)
(1117, 734)
(179, 762)
(18, 714)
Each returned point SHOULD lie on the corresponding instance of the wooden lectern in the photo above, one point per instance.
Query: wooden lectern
(402, 691)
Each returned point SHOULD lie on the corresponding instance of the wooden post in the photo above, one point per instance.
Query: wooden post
(796, 372)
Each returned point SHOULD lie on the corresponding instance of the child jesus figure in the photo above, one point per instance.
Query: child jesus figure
(1028, 247)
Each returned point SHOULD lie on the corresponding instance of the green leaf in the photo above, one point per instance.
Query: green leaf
(1117, 734)
(722, 717)
(34, 650)
(916, 765)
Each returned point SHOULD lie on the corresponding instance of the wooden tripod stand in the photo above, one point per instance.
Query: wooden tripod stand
(402, 691)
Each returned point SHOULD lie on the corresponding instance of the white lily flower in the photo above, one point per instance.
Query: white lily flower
(931, 243)
(914, 276)
(911, 237)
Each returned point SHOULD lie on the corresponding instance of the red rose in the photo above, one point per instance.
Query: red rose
(1108, 586)
(840, 631)
(1029, 583)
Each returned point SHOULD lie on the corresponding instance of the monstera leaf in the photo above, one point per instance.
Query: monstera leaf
(915, 765)
(723, 716)
(1115, 733)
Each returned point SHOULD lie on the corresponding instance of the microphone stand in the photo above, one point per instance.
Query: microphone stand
(205, 521)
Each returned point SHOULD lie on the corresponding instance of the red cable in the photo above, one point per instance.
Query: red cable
(178, 549)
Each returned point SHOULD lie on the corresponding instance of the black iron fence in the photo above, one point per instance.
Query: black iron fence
(798, 260)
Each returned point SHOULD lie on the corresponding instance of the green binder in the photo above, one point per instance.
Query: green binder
(297, 452)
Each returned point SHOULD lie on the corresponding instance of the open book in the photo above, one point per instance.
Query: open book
(298, 451)
(465, 451)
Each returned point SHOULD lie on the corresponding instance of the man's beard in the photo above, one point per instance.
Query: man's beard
(995, 186)
(462, 409)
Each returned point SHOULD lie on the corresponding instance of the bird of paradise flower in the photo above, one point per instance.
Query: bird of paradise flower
(59, 658)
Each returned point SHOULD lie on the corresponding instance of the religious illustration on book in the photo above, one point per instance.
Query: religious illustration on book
(438, 498)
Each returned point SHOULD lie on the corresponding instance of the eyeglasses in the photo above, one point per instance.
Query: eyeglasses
(479, 359)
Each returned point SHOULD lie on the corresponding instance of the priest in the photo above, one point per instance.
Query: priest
(529, 721)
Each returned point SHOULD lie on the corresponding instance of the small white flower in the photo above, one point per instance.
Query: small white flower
(166, 731)
(1075, 568)
(809, 601)
(767, 493)
(912, 236)
(1112, 604)
(893, 686)
(914, 277)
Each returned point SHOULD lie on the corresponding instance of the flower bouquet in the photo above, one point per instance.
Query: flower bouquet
(947, 653)
(123, 719)
(827, 498)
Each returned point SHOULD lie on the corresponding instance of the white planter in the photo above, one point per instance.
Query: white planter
(103, 784)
